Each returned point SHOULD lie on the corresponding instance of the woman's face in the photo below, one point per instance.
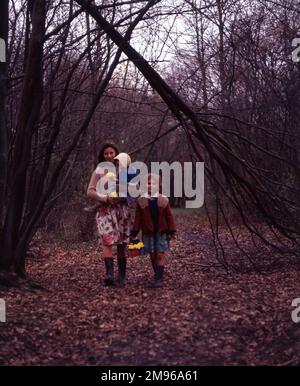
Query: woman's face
(109, 154)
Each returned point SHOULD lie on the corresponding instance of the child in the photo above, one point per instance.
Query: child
(125, 175)
(154, 217)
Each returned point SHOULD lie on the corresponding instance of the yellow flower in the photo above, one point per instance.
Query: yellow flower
(138, 245)
(110, 175)
(113, 194)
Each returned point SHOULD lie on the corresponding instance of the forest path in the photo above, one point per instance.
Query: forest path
(203, 316)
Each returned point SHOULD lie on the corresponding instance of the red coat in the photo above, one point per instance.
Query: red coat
(143, 219)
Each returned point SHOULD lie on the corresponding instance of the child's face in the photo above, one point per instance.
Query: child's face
(153, 186)
(109, 154)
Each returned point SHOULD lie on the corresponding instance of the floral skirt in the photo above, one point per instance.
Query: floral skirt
(114, 224)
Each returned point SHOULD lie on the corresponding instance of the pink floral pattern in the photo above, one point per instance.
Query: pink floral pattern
(114, 224)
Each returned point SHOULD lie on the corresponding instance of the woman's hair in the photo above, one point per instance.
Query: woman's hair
(105, 145)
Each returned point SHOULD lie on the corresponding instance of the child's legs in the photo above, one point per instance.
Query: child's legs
(153, 258)
(158, 263)
(158, 258)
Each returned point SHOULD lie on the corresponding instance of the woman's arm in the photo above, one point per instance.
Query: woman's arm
(91, 190)
(137, 221)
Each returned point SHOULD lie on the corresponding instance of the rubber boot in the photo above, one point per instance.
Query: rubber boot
(154, 265)
(109, 265)
(121, 271)
(159, 276)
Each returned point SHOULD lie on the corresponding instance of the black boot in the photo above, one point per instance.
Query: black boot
(109, 265)
(121, 271)
(159, 276)
(154, 266)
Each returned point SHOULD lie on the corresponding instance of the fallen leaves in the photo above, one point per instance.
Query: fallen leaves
(203, 316)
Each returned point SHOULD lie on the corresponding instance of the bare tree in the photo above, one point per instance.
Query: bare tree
(3, 91)
(241, 181)
(73, 77)
(41, 143)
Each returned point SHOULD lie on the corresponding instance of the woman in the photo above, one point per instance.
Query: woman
(113, 218)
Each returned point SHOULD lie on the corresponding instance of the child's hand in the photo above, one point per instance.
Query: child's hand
(112, 200)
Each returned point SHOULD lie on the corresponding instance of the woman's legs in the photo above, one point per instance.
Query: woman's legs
(109, 265)
(121, 253)
(107, 250)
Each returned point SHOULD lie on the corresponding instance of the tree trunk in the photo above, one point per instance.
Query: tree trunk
(3, 128)
(28, 116)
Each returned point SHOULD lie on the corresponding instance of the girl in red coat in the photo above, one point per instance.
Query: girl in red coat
(155, 219)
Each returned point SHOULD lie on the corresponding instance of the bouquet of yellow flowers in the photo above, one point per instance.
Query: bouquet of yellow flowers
(113, 178)
(113, 194)
(135, 248)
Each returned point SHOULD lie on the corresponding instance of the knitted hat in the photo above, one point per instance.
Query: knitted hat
(124, 159)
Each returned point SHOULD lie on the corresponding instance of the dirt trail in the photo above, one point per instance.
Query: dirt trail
(203, 316)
